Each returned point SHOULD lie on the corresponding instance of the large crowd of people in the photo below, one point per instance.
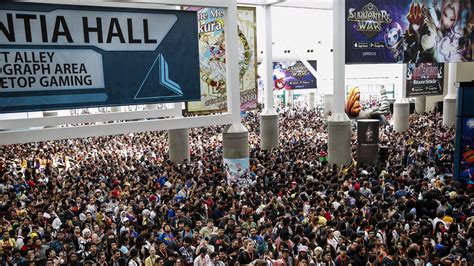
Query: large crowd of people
(118, 200)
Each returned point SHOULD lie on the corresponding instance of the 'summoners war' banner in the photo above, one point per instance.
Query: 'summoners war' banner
(425, 79)
(409, 31)
(291, 75)
(212, 60)
(66, 56)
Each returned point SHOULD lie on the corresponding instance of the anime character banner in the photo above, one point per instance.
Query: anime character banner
(212, 60)
(409, 31)
(237, 171)
(292, 75)
(425, 79)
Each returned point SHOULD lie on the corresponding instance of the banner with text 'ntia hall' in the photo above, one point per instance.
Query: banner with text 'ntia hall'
(66, 56)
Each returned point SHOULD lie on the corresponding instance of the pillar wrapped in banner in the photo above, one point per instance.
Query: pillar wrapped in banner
(367, 141)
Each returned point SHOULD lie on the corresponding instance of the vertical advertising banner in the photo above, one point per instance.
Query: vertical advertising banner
(212, 60)
(409, 31)
(237, 171)
(67, 56)
(464, 149)
(466, 165)
(425, 79)
(291, 75)
(367, 141)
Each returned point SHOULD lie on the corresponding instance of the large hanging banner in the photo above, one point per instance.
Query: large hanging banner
(409, 31)
(464, 149)
(212, 60)
(291, 75)
(425, 79)
(65, 56)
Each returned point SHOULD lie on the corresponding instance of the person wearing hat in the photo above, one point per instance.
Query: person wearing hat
(303, 255)
(286, 255)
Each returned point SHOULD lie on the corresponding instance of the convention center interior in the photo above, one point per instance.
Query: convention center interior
(237, 132)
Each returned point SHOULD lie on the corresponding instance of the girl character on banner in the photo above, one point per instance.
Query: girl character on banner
(454, 40)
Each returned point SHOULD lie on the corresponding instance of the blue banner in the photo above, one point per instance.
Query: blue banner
(64, 56)
(464, 149)
(409, 31)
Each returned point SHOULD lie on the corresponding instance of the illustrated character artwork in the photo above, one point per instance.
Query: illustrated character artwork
(394, 40)
(279, 77)
(214, 75)
(215, 66)
(454, 34)
(354, 109)
(421, 36)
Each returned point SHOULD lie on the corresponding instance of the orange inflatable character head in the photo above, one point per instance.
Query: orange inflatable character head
(353, 107)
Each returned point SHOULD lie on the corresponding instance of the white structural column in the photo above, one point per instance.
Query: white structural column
(401, 107)
(178, 142)
(50, 114)
(290, 98)
(328, 103)
(420, 104)
(339, 125)
(312, 101)
(235, 140)
(235, 137)
(449, 101)
(269, 127)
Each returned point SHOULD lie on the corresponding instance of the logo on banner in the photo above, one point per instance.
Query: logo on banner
(369, 19)
(298, 70)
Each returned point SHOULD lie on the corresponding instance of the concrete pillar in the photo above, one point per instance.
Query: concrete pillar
(269, 128)
(312, 100)
(449, 111)
(420, 104)
(339, 140)
(449, 101)
(401, 114)
(50, 114)
(235, 139)
(178, 141)
(401, 107)
(289, 98)
(327, 103)
(339, 125)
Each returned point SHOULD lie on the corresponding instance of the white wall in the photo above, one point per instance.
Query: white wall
(299, 30)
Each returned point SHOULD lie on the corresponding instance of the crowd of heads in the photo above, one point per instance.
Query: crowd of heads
(118, 200)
